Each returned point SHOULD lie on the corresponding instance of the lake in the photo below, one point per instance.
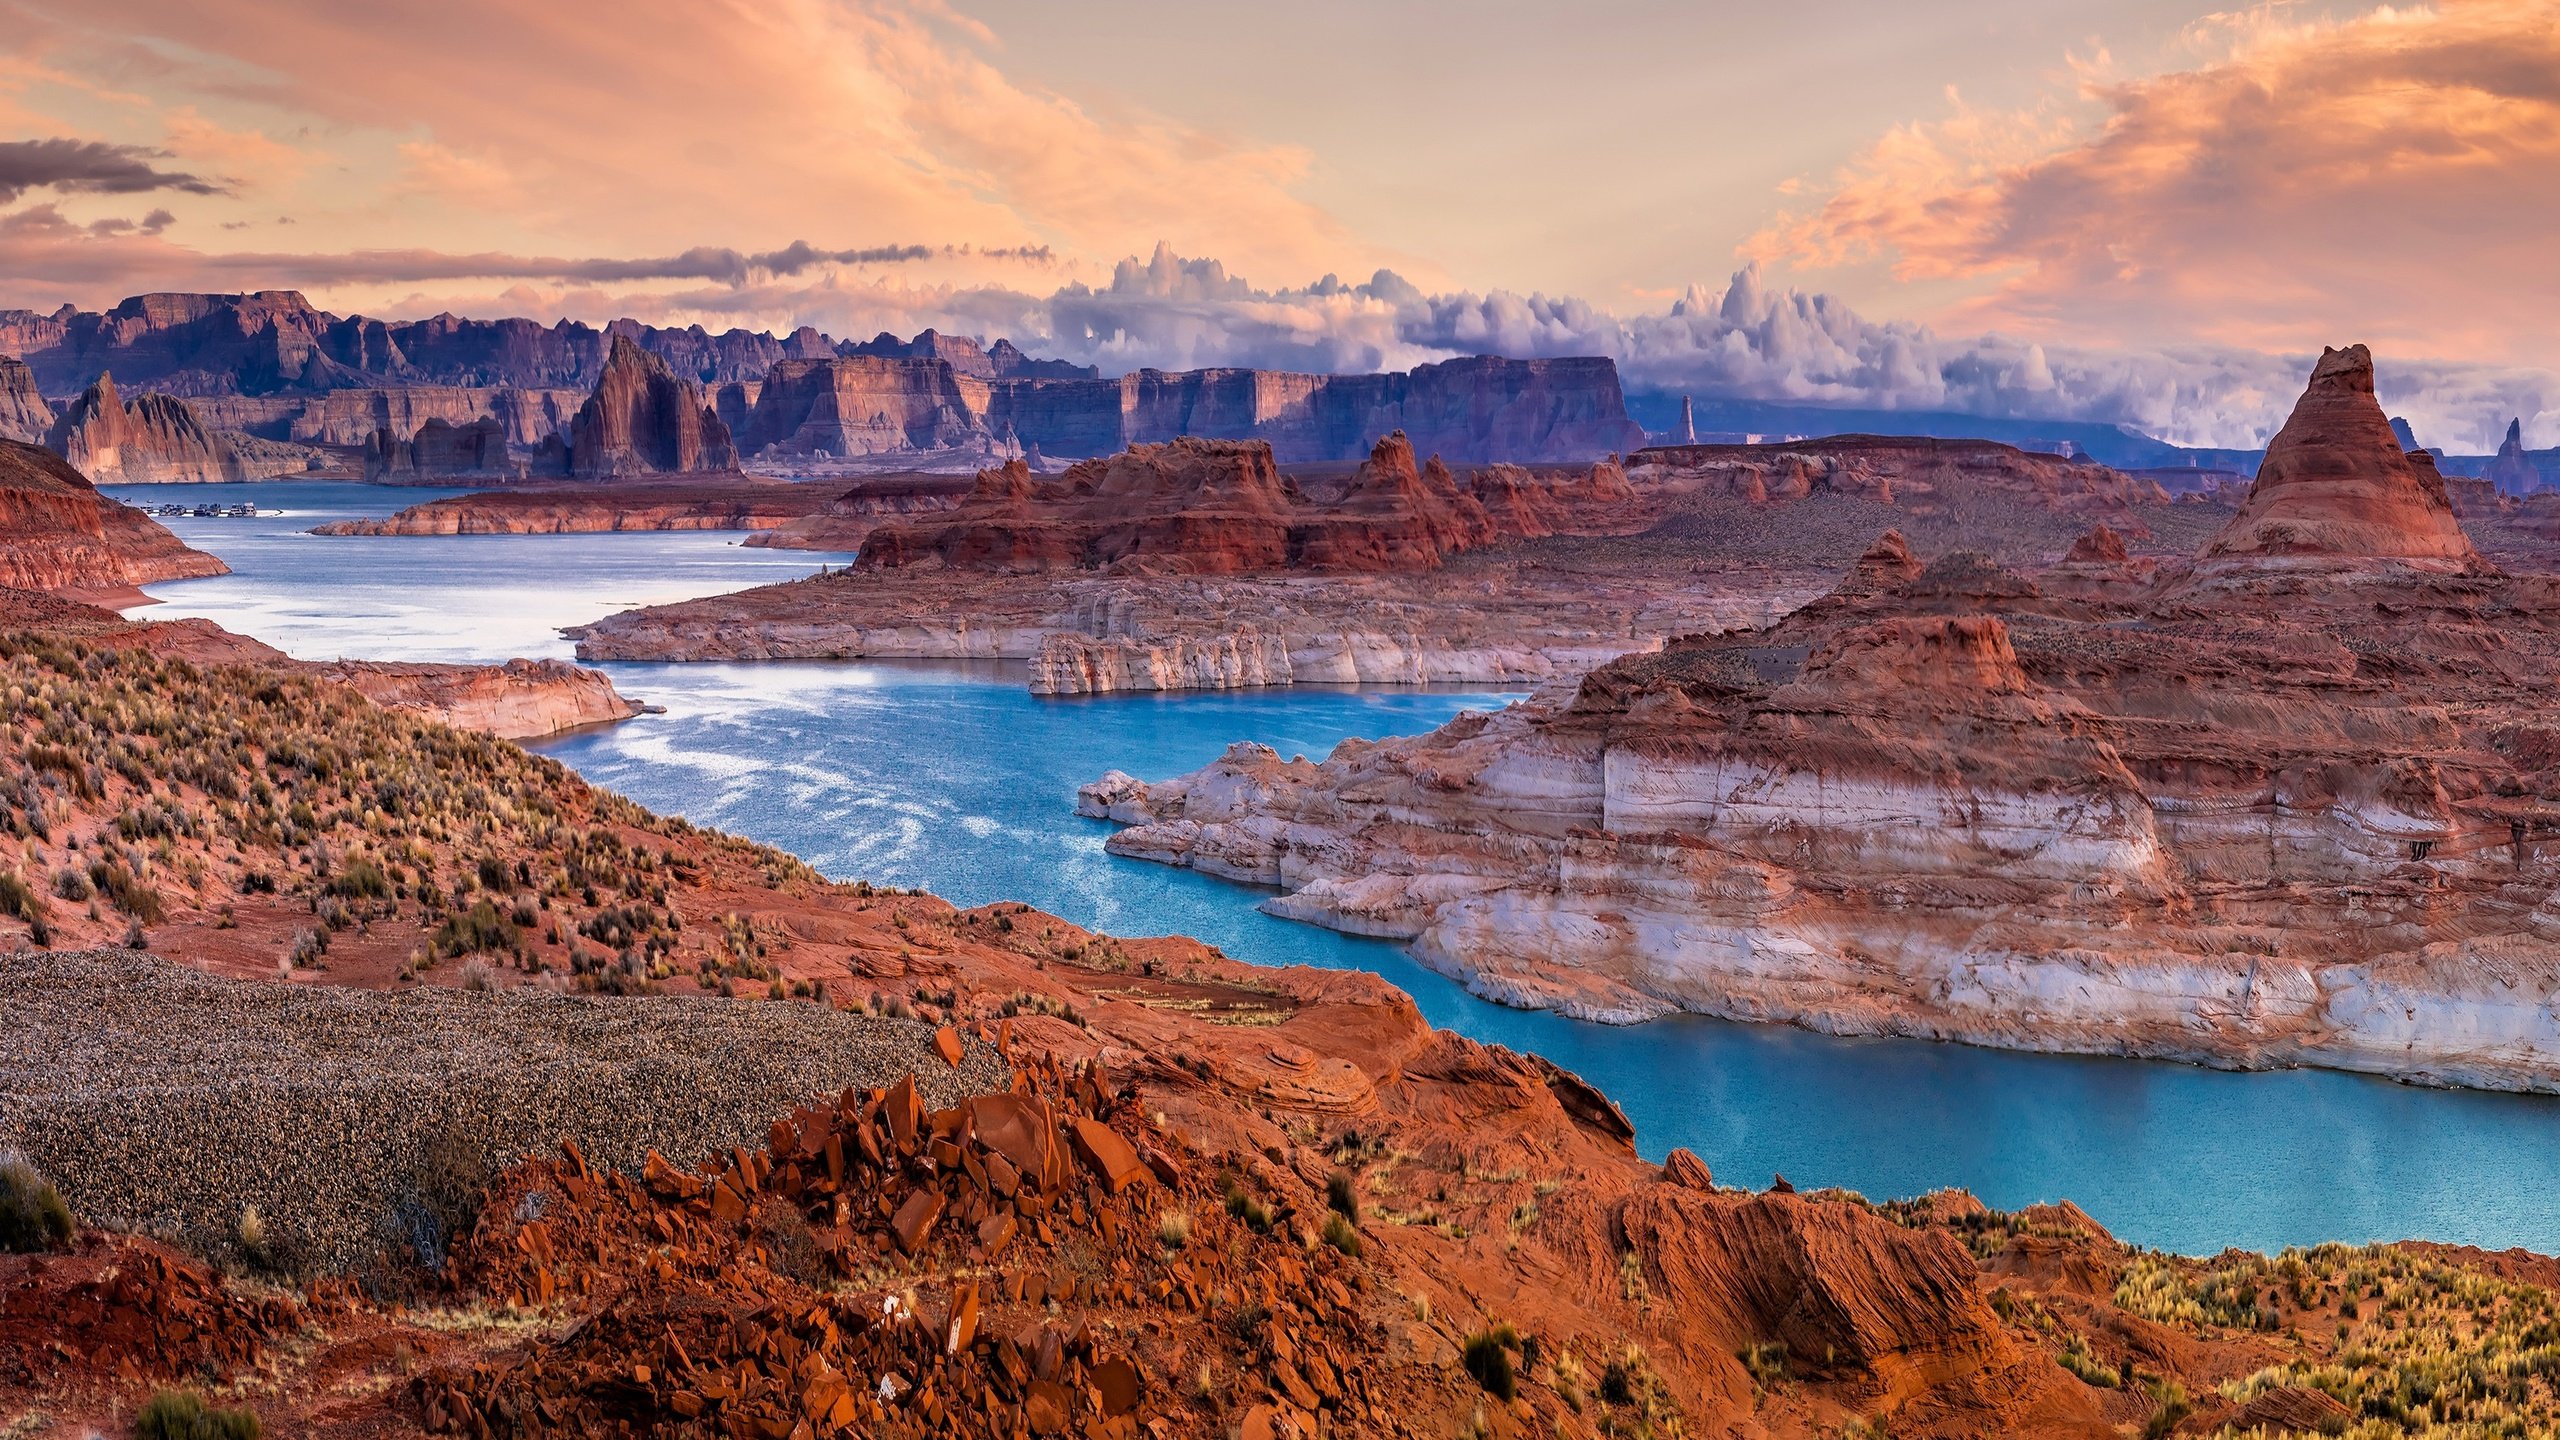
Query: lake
(959, 780)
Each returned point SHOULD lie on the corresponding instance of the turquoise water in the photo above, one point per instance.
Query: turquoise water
(959, 780)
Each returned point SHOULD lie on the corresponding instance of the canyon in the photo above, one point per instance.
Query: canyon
(2280, 801)
(1123, 1186)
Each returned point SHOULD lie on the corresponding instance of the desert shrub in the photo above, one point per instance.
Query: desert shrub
(2077, 1359)
(19, 898)
(2169, 1406)
(70, 884)
(790, 1246)
(126, 890)
(1173, 1229)
(1487, 1356)
(1246, 1208)
(362, 879)
(1340, 1194)
(1767, 1362)
(478, 930)
(32, 1213)
(1341, 1234)
(186, 1415)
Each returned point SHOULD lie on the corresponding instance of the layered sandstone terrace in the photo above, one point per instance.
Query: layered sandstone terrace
(58, 533)
(2291, 816)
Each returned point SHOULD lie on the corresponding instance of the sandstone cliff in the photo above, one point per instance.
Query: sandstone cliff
(2295, 815)
(269, 363)
(442, 453)
(148, 439)
(520, 700)
(643, 420)
(58, 533)
(24, 414)
(867, 406)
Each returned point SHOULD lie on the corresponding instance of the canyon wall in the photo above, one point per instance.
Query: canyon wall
(268, 363)
(24, 413)
(643, 419)
(350, 417)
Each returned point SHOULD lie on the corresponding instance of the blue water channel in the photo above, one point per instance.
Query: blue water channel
(959, 780)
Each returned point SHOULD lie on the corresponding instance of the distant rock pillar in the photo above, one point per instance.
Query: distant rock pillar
(1687, 434)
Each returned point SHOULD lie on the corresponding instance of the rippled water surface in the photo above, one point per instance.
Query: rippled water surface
(960, 781)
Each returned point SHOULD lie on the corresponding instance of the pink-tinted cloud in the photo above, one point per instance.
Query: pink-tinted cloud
(2382, 178)
(624, 126)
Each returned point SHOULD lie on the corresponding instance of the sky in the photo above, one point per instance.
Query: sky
(2151, 212)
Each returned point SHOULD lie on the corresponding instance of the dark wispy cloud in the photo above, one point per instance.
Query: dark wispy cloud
(90, 167)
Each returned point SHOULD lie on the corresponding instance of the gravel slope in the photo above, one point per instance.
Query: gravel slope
(164, 1100)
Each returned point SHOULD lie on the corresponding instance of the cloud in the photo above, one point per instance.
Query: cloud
(1748, 340)
(38, 245)
(89, 167)
(2388, 174)
(584, 129)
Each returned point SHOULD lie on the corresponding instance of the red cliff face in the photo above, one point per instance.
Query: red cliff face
(1220, 507)
(58, 533)
(866, 406)
(145, 440)
(2336, 485)
(644, 420)
(1198, 506)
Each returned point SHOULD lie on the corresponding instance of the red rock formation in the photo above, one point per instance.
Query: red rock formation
(58, 533)
(1528, 505)
(2336, 486)
(24, 415)
(1222, 507)
(1395, 516)
(847, 519)
(1199, 506)
(2101, 546)
(2036, 811)
(149, 439)
(643, 420)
